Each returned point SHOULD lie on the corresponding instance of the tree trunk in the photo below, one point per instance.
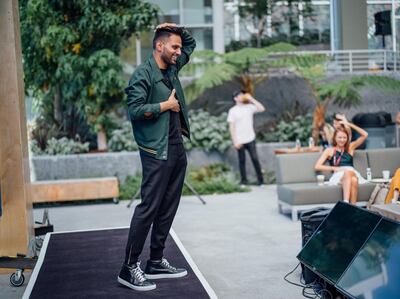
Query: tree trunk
(260, 31)
(318, 120)
(101, 140)
(258, 41)
(58, 116)
(247, 83)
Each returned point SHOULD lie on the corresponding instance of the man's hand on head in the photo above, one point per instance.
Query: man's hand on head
(166, 25)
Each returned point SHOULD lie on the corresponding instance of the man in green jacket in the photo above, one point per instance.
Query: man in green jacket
(158, 114)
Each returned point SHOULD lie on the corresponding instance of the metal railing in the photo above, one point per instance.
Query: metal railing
(353, 61)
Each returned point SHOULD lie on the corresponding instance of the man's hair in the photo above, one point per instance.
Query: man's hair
(236, 93)
(166, 32)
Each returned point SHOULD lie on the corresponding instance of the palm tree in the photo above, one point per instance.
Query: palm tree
(344, 93)
(214, 69)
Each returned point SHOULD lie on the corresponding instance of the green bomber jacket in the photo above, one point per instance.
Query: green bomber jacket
(145, 92)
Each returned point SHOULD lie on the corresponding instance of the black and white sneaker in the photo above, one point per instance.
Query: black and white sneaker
(134, 278)
(162, 269)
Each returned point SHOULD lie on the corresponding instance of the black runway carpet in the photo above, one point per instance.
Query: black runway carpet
(86, 265)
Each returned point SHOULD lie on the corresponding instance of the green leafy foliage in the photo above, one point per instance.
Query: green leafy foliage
(71, 54)
(62, 146)
(213, 69)
(129, 188)
(298, 128)
(214, 75)
(215, 178)
(244, 57)
(122, 139)
(208, 132)
(345, 93)
(280, 47)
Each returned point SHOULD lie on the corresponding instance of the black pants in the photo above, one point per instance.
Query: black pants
(162, 184)
(251, 148)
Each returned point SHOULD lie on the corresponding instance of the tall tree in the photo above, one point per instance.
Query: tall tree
(71, 54)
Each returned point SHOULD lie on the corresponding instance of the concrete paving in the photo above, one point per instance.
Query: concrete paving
(240, 242)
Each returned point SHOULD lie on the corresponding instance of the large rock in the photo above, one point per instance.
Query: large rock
(287, 95)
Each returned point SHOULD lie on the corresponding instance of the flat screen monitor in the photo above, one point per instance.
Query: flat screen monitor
(337, 240)
(375, 271)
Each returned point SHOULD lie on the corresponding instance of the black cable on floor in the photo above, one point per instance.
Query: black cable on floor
(310, 290)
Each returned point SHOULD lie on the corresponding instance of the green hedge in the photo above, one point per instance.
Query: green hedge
(298, 128)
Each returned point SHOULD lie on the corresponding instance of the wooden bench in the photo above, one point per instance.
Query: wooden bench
(75, 189)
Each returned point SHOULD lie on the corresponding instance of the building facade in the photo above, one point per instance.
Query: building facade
(317, 24)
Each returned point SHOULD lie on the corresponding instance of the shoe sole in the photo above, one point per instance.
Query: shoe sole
(136, 288)
(161, 276)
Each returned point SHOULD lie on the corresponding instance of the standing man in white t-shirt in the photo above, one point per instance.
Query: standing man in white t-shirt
(240, 119)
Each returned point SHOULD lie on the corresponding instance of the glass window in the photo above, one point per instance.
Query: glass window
(375, 38)
(203, 37)
(197, 12)
(285, 20)
(317, 24)
(397, 35)
(146, 39)
(169, 10)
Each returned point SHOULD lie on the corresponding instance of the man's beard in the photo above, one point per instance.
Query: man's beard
(166, 59)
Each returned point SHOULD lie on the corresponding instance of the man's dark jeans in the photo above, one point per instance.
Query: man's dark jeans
(251, 148)
(161, 192)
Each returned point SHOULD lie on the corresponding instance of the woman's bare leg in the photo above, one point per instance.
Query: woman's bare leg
(346, 185)
(354, 190)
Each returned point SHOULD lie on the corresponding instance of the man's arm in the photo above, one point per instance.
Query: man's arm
(137, 92)
(188, 46)
(233, 136)
(260, 107)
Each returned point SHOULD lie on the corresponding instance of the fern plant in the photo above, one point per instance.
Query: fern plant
(344, 93)
(212, 69)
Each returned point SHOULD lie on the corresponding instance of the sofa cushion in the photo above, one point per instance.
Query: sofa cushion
(383, 159)
(299, 168)
(312, 193)
(296, 168)
(360, 161)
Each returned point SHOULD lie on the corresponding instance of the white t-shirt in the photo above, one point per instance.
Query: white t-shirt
(242, 118)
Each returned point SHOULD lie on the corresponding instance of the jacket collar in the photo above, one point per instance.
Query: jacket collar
(158, 76)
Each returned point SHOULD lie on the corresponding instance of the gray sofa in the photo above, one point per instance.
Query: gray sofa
(298, 189)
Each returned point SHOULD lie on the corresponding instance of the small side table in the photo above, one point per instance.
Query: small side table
(391, 211)
(301, 150)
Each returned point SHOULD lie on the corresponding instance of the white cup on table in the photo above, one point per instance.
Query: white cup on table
(320, 179)
(386, 174)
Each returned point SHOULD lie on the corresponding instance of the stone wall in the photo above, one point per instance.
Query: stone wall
(128, 163)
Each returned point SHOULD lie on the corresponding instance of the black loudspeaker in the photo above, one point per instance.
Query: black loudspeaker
(357, 252)
(310, 220)
(383, 24)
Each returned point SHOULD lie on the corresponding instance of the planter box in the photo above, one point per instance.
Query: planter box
(123, 164)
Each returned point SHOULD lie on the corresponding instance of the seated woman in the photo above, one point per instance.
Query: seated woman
(340, 157)
(393, 195)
